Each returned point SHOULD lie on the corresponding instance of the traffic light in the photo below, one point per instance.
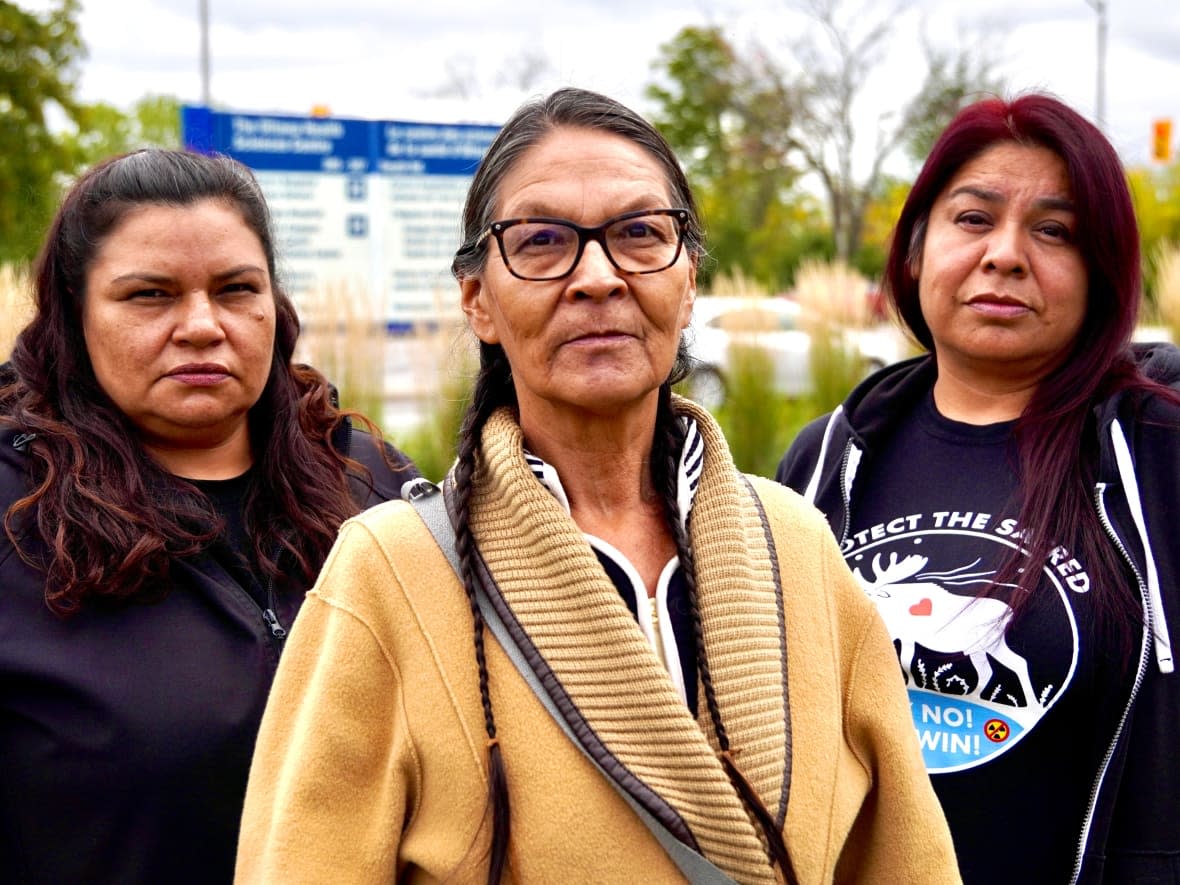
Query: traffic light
(1161, 140)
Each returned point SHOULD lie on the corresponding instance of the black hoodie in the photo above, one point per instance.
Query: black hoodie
(1131, 826)
(126, 732)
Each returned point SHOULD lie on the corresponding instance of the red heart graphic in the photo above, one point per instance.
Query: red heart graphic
(925, 607)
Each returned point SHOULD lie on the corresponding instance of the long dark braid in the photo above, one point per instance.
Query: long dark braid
(665, 471)
(493, 388)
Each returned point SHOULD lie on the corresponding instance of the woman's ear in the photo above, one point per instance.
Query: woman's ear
(690, 296)
(473, 298)
(913, 261)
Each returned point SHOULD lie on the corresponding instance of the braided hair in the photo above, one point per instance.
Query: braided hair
(493, 389)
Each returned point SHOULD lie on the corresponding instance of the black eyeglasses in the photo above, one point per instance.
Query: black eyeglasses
(645, 241)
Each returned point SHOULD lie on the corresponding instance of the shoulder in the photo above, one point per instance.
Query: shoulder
(388, 537)
(812, 434)
(790, 518)
(387, 571)
(15, 480)
(810, 454)
(819, 591)
(1159, 361)
(388, 468)
(14, 465)
(868, 415)
(1147, 406)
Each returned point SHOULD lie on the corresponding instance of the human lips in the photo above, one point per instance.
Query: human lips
(199, 374)
(599, 336)
(997, 305)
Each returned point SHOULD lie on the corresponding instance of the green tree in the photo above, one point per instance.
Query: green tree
(727, 119)
(104, 130)
(836, 66)
(747, 129)
(39, 56)
(694, 94)
(953, 81)
(1156, 195)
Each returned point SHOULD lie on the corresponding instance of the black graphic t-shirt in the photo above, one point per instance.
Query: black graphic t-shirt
(1004, 709)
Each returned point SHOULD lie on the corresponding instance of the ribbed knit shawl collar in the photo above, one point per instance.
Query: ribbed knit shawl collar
(585, 646)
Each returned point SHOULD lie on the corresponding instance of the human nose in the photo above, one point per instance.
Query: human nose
(197, 324)
(595, 275)
(1005, 251)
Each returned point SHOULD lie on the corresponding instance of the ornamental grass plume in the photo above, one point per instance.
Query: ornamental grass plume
(16, 305)
(757, 420)
(451, 351)
(1167, 287)
(344, 337)
(834, 297)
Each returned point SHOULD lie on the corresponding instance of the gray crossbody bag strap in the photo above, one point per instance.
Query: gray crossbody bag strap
(428, 501)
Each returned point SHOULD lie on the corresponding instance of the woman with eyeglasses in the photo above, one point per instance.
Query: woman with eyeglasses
(642, 664)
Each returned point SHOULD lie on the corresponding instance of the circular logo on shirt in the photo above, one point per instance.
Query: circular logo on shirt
(977, 683)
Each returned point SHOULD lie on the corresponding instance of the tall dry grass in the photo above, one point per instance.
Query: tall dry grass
(16, 305)
(833, 292)
(344, 337)
(834, 298)
(737, 284)
(757, 420)
(433, 442)
(415, 385)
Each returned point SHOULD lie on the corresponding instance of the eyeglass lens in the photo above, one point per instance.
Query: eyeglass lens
(549, 249)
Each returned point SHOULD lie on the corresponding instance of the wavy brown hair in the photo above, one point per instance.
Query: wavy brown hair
(102, 518)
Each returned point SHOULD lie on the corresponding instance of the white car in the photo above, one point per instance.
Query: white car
(776, 325)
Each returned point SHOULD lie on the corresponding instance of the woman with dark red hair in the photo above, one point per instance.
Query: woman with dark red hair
(1004, 499)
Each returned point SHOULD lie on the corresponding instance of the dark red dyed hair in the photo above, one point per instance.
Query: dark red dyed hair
(1055, 437)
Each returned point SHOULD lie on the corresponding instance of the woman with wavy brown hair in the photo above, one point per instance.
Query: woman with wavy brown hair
(171, 484)
(643, 665)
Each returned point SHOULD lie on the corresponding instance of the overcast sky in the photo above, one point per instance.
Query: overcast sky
(379, 59)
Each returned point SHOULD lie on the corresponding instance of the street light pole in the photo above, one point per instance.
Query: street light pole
(203, 12)
(1099, 6)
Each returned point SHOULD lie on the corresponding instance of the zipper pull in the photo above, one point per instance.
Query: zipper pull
(272, 621)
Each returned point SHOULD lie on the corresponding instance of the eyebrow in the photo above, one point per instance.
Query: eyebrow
(147, 277)
(993, 196)
(544, 210)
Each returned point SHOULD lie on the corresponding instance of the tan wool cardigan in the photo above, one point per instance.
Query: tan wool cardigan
(370, 764)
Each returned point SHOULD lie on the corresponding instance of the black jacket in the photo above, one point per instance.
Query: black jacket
(1131, 830)
(126, 732)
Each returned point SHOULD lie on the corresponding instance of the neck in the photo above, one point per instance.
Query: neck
(222, 459)
(981, 399)
(603, 460)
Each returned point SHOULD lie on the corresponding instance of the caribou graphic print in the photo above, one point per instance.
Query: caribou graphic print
(918, 610)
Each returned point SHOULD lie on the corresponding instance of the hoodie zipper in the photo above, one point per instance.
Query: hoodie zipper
(845, 493)
(269, 615)
(277, 630)
(1096, 787)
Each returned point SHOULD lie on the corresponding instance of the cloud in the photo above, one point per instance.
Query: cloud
(373, 58)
